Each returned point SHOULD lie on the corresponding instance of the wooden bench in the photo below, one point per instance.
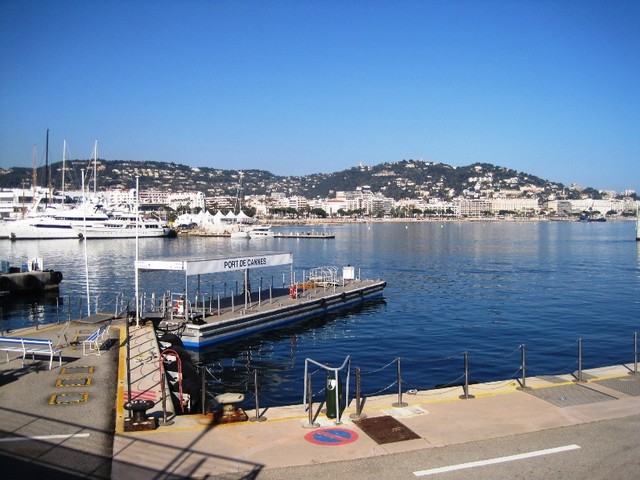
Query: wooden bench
(30, 346)
(95, 340)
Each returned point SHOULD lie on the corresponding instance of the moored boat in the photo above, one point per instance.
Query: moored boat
(122, 227)
(261, 231)
(28, 278)
(86, 220)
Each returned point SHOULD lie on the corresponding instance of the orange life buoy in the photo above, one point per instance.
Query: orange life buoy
(178, 306)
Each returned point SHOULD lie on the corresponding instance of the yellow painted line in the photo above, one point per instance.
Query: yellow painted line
(611, 377)
(121, 381)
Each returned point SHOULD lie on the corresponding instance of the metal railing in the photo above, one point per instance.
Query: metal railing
(575, 352)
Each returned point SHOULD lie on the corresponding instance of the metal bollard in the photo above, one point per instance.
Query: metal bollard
(466, 395)
(635, 353)
(258, 417)
(580, 360)
(311, 423)
(399, 403)
(358, 415)
(523, 349)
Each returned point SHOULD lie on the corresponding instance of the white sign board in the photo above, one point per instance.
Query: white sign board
(227, 264)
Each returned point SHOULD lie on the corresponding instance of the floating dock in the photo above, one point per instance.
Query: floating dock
(321, 236)
(200, 325)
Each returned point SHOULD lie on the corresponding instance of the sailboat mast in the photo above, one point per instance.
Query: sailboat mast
(95, 169)
(34, 174)
(86, 256)
(47, 179)
(137, 278)
(64, 161)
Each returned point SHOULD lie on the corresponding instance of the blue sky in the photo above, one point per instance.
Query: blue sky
(551, 88)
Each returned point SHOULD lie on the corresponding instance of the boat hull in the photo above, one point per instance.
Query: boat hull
(29, 282)
(23, 231)
(102, 233)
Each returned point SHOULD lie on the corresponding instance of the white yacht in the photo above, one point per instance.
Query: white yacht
(53, 223)
(261, 231)
(125, 227)
(86, 220)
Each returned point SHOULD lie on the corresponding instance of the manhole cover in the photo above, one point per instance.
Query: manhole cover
(85, 370)
(73, 382)
(67, 398)
(629, 385)
(385, 429)
(569, 395)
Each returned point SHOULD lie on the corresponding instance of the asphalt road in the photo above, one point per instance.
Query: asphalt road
(607, 450)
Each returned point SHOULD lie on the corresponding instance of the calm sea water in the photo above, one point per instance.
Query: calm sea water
(455, 287)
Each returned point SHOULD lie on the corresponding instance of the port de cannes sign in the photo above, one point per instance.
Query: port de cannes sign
(226, 264)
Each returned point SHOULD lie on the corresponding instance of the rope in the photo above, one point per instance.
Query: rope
(433, 360)
(380, 391)
(392, 362)
(440, 391)
(553, 352)
(495, 359)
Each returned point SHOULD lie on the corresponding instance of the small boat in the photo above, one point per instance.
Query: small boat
(201, 323)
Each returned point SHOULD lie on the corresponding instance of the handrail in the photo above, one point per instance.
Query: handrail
(347, 364)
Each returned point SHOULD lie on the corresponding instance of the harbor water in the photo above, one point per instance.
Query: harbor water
(455, 290)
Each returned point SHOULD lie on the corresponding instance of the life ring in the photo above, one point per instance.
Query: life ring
(178, 306)
(293, 291)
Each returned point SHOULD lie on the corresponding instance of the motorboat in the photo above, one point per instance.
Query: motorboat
(261, 231)
(126, 227)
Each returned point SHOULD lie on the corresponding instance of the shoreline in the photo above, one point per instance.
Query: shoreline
(332, 222)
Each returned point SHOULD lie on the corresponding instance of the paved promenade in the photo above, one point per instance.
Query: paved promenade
(77, 439)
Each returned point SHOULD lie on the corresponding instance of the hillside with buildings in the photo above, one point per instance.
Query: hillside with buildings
(397, 189)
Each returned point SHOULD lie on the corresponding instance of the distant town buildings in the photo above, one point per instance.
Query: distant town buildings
(438, 191)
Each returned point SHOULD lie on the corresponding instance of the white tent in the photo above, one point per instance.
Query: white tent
(217, 218)
(244, 218)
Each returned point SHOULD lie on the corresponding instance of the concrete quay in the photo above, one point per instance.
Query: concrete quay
(69, 422)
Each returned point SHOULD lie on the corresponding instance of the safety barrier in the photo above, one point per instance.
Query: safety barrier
(400, 382)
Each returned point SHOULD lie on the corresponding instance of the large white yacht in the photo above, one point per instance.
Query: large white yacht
(84, 221)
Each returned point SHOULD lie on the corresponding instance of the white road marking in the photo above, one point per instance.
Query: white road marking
(493, 461)
(44, 437)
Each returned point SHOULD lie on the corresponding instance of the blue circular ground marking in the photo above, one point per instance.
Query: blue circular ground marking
(332, 436)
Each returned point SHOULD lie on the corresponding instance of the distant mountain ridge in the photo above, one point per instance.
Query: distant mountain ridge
(397, 180)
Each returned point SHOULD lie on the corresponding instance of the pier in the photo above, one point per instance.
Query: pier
(306, 235)
(63, 422)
